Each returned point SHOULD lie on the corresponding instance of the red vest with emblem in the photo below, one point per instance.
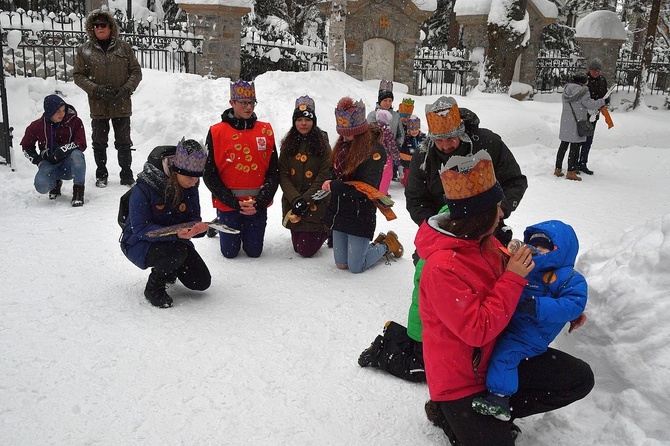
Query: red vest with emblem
(242, 158)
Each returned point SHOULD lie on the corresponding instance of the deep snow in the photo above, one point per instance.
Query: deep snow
(268, 354)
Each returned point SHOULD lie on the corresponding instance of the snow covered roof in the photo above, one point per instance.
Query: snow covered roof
(483, 7)
(601, 25)
(237, 3)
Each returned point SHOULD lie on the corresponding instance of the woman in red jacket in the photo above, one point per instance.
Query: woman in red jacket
(468, 292)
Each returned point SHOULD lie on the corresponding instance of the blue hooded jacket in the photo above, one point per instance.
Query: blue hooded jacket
(559, 291)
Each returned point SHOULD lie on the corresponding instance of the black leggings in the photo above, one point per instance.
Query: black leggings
(546, 382)
(181, 259)
(573, 156)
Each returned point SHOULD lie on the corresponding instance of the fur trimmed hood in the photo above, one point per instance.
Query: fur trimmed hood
(105, 15)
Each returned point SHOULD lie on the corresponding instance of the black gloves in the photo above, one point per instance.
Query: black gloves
(121, 92)
(59, 153)
(106, 93)
(527, 306)
(300, 206)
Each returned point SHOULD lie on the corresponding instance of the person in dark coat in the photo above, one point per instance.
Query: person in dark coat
(304, 164)
(61, 140)
(166, 194)
(413, 138)
(576, 104)
(105, 67)
(455, 131)
(358, 156)
(597, 89)
(554, 296)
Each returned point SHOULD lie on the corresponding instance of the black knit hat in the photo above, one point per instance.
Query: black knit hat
(304, 108)
(51, 105)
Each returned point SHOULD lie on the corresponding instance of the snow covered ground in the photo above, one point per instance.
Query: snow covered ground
(267, 356)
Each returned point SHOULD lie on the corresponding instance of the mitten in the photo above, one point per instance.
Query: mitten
(527, 305)
(300, 206)
(48, 156)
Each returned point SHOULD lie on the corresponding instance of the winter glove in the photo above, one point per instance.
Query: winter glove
(121, 93)
(527, 306)
(300, 206)
(104, 93)
(63, 151)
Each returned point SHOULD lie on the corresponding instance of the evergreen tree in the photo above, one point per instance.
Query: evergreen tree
(506, 41)
(438, 28)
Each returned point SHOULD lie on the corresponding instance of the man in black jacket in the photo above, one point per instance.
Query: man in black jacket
(598, 89)
(454, 131)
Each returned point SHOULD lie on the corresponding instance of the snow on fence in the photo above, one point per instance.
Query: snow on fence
(40, 44)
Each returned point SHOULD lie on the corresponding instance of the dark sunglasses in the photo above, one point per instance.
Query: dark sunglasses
(100, 25)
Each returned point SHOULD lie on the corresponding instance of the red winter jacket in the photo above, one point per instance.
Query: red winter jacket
(48, 135)
(466, 299)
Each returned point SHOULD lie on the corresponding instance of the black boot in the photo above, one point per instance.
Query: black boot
(77, 195)
(101, 173)
(125, 161)
(371, 354)
(55, 192)
(155, 291)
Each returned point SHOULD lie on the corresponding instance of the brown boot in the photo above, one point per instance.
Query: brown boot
(558, 172)
(380, 238)
(77, 195)
(394, 246)
(572, 175)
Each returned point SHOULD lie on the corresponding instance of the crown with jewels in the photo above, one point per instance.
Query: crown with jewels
(304, 102)
(444, 119)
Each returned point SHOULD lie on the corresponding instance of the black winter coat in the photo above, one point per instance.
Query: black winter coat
(424, 192)
(351, 211)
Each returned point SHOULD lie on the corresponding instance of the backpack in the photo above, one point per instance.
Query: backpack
(156, 158)
(124, 207)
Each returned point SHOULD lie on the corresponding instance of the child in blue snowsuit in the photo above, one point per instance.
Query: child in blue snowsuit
(555, 294)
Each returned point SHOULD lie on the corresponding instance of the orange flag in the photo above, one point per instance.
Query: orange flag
(608, 118)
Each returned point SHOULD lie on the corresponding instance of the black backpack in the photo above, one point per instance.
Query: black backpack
(156, 158)
(124, 207)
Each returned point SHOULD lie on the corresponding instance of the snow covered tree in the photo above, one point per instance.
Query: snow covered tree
(441, 29)
(508, 33)
(647, 52)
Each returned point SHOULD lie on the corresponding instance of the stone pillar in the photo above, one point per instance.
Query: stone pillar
(476, 40)
(92, 5)
(220, 26)
(528, 68)
(600, 34)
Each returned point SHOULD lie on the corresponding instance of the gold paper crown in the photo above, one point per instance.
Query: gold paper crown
(406, 106)
(440, 124)
(465, 182)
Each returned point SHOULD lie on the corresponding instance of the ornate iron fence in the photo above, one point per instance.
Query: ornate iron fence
(658, 73)
(259, 55)
(555, 69)
(37, 44)
(439, 71)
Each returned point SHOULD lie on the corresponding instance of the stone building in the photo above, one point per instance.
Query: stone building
(381, 38)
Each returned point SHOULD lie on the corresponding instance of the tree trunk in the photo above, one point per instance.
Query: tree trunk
(336, 40)
(505, 45)
(647, 53)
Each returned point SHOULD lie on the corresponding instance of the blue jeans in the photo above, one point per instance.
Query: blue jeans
(586, 148)
(72, 167)
(357, 253)
(251, 236)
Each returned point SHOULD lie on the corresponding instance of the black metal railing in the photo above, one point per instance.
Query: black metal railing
(554, 69)
(44, 45)
(260, 54)
(658, 73)
(441, 71)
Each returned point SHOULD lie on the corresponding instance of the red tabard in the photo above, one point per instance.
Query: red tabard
(242, 157)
